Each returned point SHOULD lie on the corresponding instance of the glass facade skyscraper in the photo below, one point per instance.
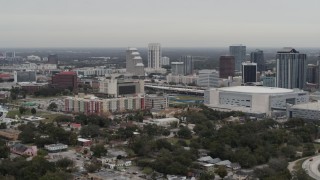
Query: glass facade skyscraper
(291, 69)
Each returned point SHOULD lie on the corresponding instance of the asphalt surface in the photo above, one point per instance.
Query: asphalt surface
(311, 167)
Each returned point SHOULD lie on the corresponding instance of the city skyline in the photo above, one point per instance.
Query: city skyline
(81, 23)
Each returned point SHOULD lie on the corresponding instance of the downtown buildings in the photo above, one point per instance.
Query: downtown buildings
(239, 54)
(134, 63)
(291, 69)
(258, 57)
(249, 72)
(154, 55)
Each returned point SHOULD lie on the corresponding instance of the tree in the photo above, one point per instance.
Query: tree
(65, 164)
(98, 150)
(301, 174)
(33, 111)
(52, 106)
(221, 171)
(56, 176)
(4, 150)
(3, 126)
(90, 131)
(185, 133)
(92, 166)
(22, 109)
(207, 176)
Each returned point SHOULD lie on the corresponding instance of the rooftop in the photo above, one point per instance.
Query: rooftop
(256, 90)
(68, 73)
(288, 50)
(308, 106)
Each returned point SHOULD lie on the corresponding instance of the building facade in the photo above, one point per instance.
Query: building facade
(65, 80)
(182, 79)
(154, 55)
(258, 57)
(92, 105)
(226, 66)
(53, 59)
(165, 61)
(188, 64)
(134, 63)
(267, 101)
(155, 102)
(291, 69)
(177, 68)
(249, 72)
(239, 54)
(208, 78)
(24, 76)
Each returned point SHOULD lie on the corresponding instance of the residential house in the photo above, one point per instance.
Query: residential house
(24, 150)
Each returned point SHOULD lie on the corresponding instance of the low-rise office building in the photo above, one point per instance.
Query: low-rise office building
(307, 111)
(153, 101)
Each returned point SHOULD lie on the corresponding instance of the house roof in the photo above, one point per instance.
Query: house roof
(224, 163)
(68, 73)
(205, 159)
(215, 160)
(20, 147)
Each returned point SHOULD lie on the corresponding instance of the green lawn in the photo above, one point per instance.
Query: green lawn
(175, 140)
(189, 97)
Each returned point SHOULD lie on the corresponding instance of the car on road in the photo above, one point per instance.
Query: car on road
(311, 159)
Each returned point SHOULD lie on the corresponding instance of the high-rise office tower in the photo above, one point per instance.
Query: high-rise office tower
(154, 55)
(177, 68)
(312, 73)
(226, 64)
(249, 72)
(188, 64)
(239, 53)
(134, 62)
(258, 57)
(291, 69)
(53, 59)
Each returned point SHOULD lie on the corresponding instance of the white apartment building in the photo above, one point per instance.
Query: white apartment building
(208, 78)
(165, 61)
(154, 55)
(180, 79)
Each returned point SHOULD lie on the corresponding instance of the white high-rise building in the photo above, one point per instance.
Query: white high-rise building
(134, 62)
(208, 78)
(154, 55)
(164, 61)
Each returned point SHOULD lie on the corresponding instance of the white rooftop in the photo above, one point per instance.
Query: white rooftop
(132, 49)
(308, 106)
(256, 90)
(137, 57)
(83, 140)
(139, 64)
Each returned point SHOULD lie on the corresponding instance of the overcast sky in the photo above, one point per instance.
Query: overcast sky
(173, 23)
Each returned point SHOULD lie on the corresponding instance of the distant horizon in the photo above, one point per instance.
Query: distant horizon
(166, 47)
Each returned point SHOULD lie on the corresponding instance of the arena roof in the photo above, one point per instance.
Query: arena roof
(256, 90)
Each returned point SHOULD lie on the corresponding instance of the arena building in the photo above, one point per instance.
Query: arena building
(265, 101)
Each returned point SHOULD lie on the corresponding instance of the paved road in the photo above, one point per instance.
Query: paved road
(312, 167)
